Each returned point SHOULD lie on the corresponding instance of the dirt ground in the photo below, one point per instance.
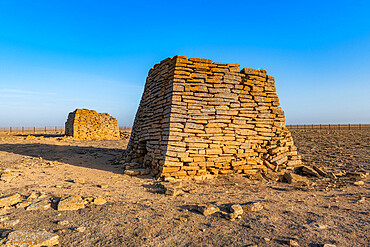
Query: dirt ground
(137, 213)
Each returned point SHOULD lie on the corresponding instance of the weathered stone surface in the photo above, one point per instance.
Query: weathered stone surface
(10, 200)
(31, 238)
(252, 207)
(235, 212)
(40, 205)
(195, 117)
(71, 203)
(207, 209)
(88, 124)
(99, 201)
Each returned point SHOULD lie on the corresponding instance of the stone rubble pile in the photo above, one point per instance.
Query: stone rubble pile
(88, 124)
(202, 118)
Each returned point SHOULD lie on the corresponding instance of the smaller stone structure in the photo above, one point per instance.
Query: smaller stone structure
(88, 124)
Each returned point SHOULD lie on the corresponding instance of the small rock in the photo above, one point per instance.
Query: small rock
(309, 171)
(236, 211)
(71, 203)
(253, 207)
(6, 176)
(332, 175)
(10, 200)
(3, 218)
(192, 191)
(39, 205)
(33, 195)
(183, 219)
(103, 186)
(79, 181)
(329, 245)
(172, 189)
(362, 199)
(320, 171)
(80, 229)
(10, 223)
(34, 238)
(99, 201)
(359, 183)
(293, 243)
(207, 209)
(23, 204)
(267, 239)
(63, 222)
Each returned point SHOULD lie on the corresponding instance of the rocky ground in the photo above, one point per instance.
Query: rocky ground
(72, 192)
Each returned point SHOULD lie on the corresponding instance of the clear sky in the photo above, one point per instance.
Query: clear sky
(56, 56)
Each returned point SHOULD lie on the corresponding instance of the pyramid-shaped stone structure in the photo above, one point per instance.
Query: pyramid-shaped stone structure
(198, 117)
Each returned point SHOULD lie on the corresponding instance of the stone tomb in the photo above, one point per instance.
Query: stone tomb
(88, 124)
(198, 117)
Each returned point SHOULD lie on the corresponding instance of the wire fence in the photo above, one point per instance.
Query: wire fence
(44, 130)
(329, 126)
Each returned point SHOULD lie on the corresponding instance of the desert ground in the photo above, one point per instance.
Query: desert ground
(326, 211)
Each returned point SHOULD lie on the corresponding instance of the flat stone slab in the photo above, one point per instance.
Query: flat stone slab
(71, 203)
(31, 238)
(10, 200)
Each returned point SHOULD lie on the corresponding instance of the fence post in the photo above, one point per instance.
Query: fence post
(360, 126)
(10, 129)
(320, 126)
(329, 126)
(349, 126)
(22, 129)
(34, 129)
(338, 126)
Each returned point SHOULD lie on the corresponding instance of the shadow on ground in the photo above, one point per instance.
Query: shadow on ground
(88, 157)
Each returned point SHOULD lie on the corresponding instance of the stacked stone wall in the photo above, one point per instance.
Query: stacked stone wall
(197, 117)
(88, 124)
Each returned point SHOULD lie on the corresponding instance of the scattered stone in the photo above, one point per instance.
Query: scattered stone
(294, 178)
(63, 222)
(267, 239)
(293, 243)
(80, 229)
(33, 195)
(359, 183)
(79, 181)
(183, 219)
(11, 223)
(252, 207)
(309, 171)
(235, 212)
(332, 175)
(103, 186)
(6, 176)
(172, 189)
(356, 175)
(137, 171)
(271, 176)
(31, 238)
(30, 137)
(207, 209)
(329, 245)
(40, 205)
(192, 191)
(71, 203)
(320, 171)
(23, 204)
(3, 218)
(10, 200)
(99, 201)
(362, 199)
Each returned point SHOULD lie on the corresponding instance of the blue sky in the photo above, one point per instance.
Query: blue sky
(56, 56)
